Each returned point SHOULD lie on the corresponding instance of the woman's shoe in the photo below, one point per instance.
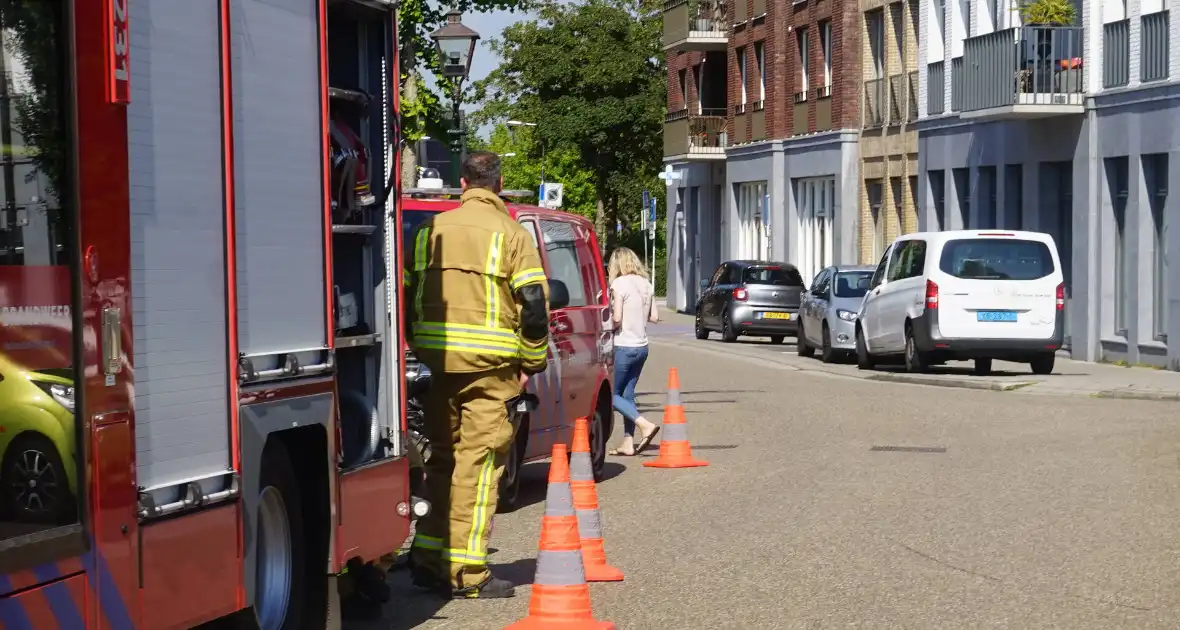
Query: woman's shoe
(647, 435)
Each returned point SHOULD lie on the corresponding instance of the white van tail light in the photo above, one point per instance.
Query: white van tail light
(1061, 297)
(931, 294)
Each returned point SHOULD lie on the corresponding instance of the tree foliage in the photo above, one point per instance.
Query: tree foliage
(522, 171)
(422, 113)
(591, 75)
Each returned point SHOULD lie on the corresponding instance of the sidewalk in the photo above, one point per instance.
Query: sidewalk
(1069, 377)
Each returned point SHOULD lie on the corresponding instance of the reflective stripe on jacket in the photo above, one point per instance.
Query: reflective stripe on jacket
(465, 267)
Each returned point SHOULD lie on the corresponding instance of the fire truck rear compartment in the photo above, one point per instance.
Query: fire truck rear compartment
(186, 350)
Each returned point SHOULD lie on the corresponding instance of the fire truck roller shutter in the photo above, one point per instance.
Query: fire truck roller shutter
(278, 172)
(178, 269)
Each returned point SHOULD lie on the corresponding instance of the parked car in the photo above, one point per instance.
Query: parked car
(577, 382)
(827, 317)
(965, 295)
(750, 297)
(37, 439)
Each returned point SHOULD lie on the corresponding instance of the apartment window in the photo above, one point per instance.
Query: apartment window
(875, 194)
(760, 59)
(825, 40)
(938, 196)
(1155, 174)
(987, 211)
(962, 180)
(898, 199)
(741, 53)
(1124, 282)
(753, 224)
(876, 28)
(804, 60)
(815, 200)
(683, 75)
(1013, 197)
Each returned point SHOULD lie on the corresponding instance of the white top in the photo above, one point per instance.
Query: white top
(632, 306)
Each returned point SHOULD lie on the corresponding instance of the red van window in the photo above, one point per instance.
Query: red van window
(561, 253)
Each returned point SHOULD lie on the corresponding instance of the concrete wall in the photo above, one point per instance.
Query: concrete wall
(837, 155)
(1133, 124)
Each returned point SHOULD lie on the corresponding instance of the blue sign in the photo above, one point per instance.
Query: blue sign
(618, 227)
(646, 198)
(651, 216)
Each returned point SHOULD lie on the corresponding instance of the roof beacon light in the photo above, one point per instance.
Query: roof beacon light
(430, 180)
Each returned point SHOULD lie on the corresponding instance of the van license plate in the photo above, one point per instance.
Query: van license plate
(995, 316)
(777, 315)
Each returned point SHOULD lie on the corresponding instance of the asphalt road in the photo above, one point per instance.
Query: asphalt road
(1030, 511)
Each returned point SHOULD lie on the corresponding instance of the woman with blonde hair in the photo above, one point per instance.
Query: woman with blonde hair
(632, 300)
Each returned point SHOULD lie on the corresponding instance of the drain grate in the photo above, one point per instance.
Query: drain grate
(909, 449)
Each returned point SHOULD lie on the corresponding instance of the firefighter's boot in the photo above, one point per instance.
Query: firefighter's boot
(491, 588)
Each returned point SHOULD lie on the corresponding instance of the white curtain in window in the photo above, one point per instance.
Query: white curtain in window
(815, 199)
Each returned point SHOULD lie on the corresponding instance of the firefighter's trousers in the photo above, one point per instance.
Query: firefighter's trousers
(470, 434)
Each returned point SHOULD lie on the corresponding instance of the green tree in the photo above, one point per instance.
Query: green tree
(522, 169)
(591, 76)
(424, 112)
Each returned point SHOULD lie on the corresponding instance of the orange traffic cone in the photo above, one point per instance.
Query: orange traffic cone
(561, 597)
(586, 508)
(675, 451)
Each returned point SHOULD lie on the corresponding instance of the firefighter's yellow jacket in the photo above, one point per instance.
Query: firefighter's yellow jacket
(478, 292)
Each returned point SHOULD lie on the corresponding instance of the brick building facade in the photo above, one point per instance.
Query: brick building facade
(769, 166)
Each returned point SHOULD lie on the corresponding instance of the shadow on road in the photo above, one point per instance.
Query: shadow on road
(948, 371)
(535, 478)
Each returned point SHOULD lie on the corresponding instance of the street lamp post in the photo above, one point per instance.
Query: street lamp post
(456, 45)
(541, 189)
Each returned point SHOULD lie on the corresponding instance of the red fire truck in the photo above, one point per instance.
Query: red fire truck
(201, 369)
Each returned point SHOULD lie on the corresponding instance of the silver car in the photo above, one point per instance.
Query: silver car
(827, 313)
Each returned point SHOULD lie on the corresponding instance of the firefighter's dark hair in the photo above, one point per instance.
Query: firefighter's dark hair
(482, 170)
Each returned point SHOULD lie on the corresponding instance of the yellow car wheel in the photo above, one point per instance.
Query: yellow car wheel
(33, 483)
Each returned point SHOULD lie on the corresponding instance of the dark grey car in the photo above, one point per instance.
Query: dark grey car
(750, 297)
(827, 318)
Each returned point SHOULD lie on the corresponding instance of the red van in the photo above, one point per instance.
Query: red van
(577, 382)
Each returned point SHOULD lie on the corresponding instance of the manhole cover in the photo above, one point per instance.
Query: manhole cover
(909, 449)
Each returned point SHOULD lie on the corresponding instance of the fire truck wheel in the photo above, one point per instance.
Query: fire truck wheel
(281, 580)
(34, 486)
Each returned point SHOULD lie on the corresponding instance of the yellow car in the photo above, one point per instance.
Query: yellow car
(37, 442)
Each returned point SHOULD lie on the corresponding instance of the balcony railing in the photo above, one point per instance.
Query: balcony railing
(935, 88)
(874, 102)
(1116, 54)
(896, 98)
(912, 101)
(699, 135)
(1153, 47)
(696, 24)
(1023, 72)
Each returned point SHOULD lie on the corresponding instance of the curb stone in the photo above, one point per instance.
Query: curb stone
(951, 382)
(1133, 394)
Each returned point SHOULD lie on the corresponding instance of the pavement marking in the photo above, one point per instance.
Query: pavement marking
(909, 449)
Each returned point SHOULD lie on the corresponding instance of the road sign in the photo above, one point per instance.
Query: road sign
(646, 198)
(670, 176)
(651, 216)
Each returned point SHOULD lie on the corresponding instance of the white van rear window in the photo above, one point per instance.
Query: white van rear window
(996, 259)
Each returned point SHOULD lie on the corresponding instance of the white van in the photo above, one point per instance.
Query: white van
(964, 295)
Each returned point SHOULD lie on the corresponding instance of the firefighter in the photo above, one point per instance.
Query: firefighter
(480, 322)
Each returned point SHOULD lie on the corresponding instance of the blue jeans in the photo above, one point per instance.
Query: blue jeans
(628, 366)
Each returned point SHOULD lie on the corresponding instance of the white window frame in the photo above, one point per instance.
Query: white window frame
(760, 59)
(815, 199)
(700, 81)
(742, 72)
(825, 38)
(804, 60)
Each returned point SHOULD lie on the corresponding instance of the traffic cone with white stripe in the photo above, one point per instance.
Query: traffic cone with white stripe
(675, 451)
(560, 597)
(586, 508)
